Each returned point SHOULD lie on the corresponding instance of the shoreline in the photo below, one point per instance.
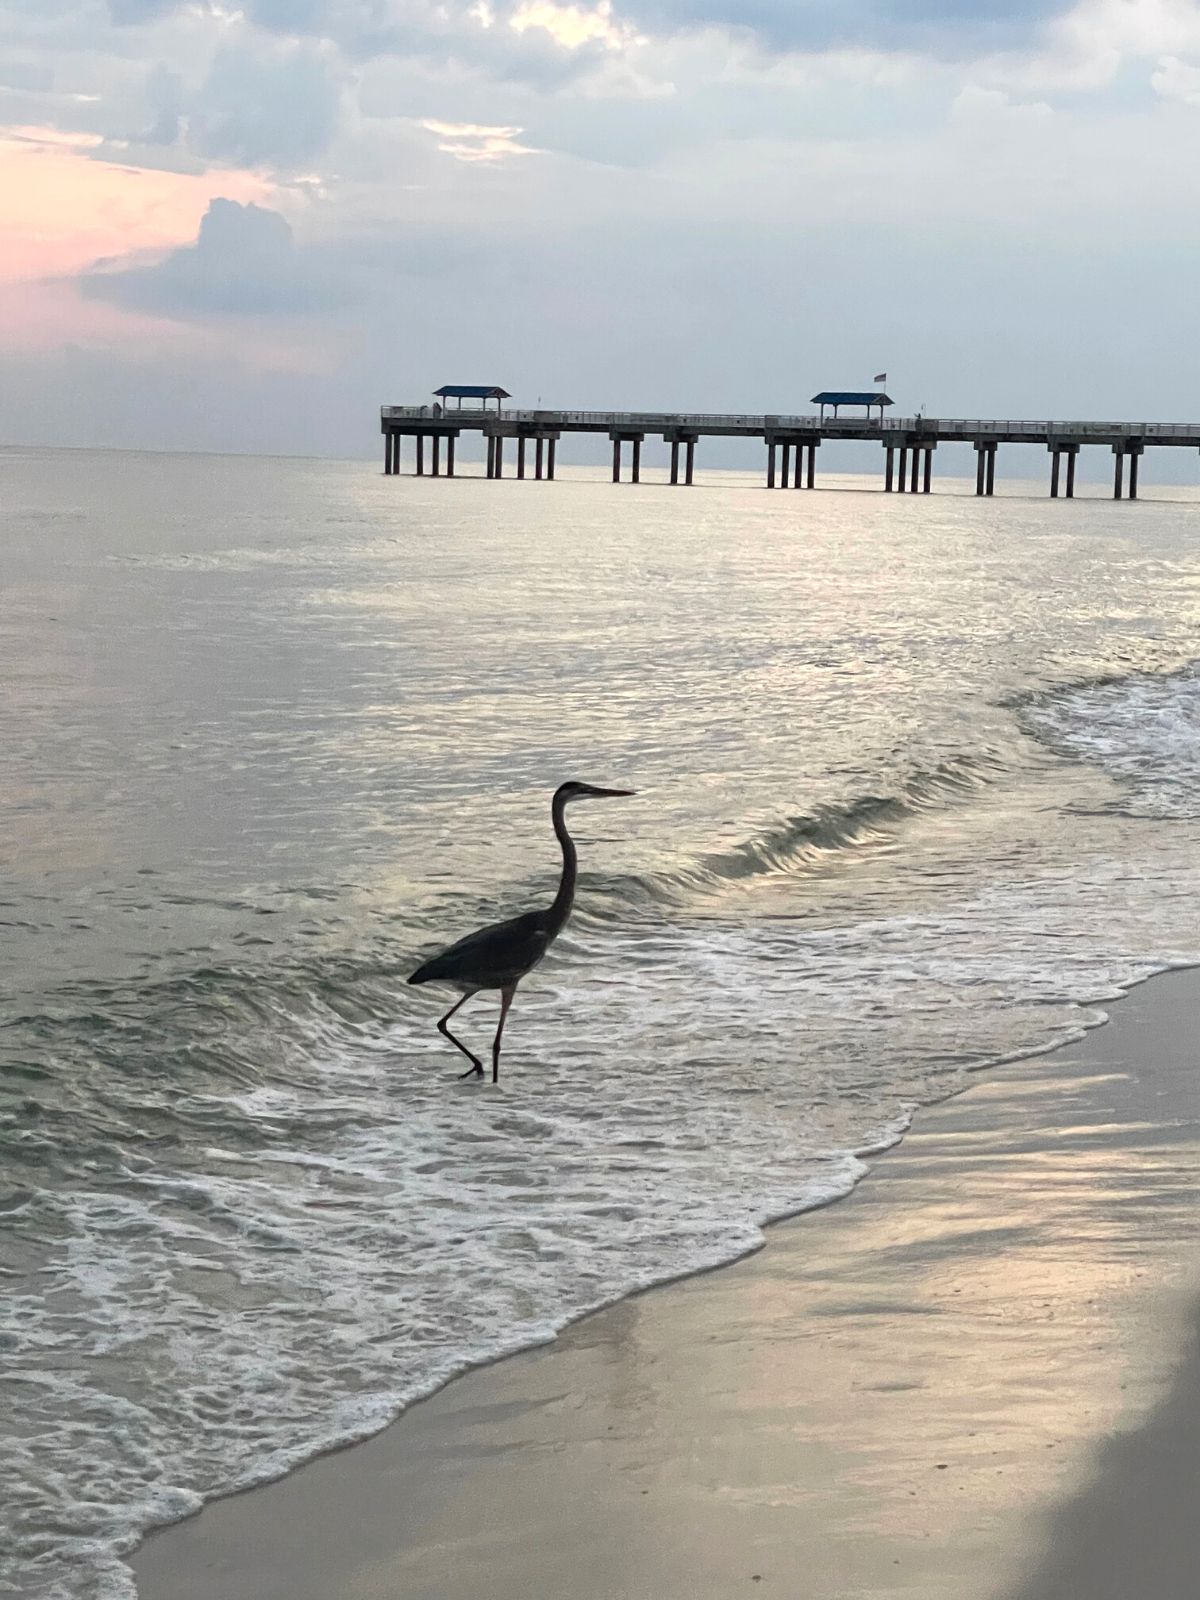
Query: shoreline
(411, 1509)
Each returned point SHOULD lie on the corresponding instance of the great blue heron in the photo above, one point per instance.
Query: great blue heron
(499, 957)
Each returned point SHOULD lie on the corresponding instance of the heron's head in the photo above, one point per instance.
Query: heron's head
(586, 791)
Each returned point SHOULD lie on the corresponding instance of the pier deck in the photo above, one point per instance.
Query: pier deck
(791, 441)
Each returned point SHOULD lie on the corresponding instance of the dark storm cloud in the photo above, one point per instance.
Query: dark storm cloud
(244, 263)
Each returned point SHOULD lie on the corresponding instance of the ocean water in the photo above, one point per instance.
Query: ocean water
(918, 790)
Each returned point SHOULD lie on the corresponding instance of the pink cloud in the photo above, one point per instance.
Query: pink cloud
(61, 210)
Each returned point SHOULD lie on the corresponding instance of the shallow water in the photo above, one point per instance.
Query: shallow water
(917, 790)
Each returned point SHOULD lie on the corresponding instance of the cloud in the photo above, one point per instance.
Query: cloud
(244, 263)
(265, 108)
(943, 28)
(1177, 80)
(51, 139)
(294, 16)
(134, 11)
(947, 28)
(470, 141)
(571, 25)
(35, 77)
(165, 99)
(991, 109)
(64, 209)
(546, 43)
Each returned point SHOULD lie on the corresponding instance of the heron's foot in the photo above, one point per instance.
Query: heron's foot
(473, 1072)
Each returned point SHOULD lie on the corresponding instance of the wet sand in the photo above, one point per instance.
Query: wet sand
(979, 1376)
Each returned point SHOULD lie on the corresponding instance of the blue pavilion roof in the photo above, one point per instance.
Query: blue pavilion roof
(472, 391)
(850, 397)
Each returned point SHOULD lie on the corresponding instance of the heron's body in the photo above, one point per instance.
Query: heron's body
(499, 956)
(490, 958)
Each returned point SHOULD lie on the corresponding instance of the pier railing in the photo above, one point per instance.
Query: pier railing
(972, 428)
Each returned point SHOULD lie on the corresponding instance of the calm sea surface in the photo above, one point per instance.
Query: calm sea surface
(918, 787)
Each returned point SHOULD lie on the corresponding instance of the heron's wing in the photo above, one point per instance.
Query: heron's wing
(493, 957)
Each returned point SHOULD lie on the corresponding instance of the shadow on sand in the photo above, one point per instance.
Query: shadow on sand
(1134, 1532)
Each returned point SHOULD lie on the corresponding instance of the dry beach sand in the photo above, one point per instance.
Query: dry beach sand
(976, 1377)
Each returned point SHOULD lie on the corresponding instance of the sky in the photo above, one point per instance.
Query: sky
(245, 226)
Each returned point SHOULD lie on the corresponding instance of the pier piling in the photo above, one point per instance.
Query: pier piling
(635, 455)
(1134, 452)
(791, 442)
(677, 437)
(1058, 452)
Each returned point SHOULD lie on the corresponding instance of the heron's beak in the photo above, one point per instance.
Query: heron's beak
(609, 794)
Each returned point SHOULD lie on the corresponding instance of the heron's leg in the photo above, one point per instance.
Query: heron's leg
(476, 1067)
(506, 999)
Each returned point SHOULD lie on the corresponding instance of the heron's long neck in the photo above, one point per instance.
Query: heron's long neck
(564, 899)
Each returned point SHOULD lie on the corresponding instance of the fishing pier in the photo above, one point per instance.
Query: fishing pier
(791, 442)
